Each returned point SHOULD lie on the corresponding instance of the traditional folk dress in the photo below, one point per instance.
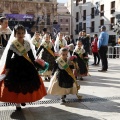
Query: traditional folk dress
(4, 36)
(22, 83)
(82, 65)
(60, 44)
(46, 52)
(63, 81)
(36, 43)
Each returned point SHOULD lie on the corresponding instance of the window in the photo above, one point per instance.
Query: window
(93, 26)
(101, 22)
(112, 20)
(66, 29)
(102, 10)
(77, 29)
(84, 14)
(66, 20)
(77, 16)
(77, 2)
(60, 20)
(84, 26)
(47, 0)
(92, 12)
(112, 7)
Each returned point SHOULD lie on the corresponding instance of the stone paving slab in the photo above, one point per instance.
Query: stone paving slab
(94, 89)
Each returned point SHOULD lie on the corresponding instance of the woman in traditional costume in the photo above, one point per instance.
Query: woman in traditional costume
(82, 64)
(36, 40)
(63, 81)
(5, 32)
(46, 52)
(60, 42)
(21, 83)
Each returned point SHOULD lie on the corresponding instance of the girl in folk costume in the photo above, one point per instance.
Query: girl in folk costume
(63, 81)
(60, 42)
(5, 32)
(21, 82)
(82, 66)
(36, 40)
(46, 52)
(71, 48)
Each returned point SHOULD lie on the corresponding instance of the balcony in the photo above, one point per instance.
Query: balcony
(92, 16)
(84, 17)
(102, 13)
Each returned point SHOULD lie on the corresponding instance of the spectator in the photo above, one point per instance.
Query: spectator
(103, 48)
(85, 42)
(95, 50)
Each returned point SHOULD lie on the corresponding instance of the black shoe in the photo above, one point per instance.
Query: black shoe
(23, 104)
(102, 70)
(97, 64)
(81, 78)
(93, 64)
(18, 109)
(63, 97)
(48, 78)
(63, 101)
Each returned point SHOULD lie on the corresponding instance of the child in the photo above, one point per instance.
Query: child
(71, 48)
(63, 81)
(79, 51)
(22, 83)
(95, 50)
(60, 42)
(5, 32)
(36, 40)
(46, 51)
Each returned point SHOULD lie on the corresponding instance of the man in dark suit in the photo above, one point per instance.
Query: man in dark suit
(85, 42)
(72, 40)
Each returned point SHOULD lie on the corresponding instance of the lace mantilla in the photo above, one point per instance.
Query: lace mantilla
(26, 46)
(6, 31)
(79, 51)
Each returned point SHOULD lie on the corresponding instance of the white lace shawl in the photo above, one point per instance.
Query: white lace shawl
(26, 46)
(57, 44)
(6, 31)
(81, 51)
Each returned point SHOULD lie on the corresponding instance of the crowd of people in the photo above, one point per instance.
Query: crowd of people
(61, 61)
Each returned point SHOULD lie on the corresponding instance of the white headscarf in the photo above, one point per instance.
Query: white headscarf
(43, 40)
(56, 48)
(11, 39)
(33, 38)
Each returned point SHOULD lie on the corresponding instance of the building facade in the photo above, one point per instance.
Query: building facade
(43, 11)
(91, 14)
(64, 19)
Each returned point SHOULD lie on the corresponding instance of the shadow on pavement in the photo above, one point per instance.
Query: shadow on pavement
(54, 113)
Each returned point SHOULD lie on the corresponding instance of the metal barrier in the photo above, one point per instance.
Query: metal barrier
(113, 52)
(117, 50)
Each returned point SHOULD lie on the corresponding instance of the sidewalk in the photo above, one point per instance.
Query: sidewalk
(101, 100)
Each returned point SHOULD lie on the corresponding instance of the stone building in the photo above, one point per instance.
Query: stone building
(42, 11)
(64, 19)
(91, 14)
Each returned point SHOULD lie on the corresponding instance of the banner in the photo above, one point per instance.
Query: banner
(56, 30)
(20, 17)
(88, 21)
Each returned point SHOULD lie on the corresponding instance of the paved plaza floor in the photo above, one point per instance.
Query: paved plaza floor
(101, 100)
